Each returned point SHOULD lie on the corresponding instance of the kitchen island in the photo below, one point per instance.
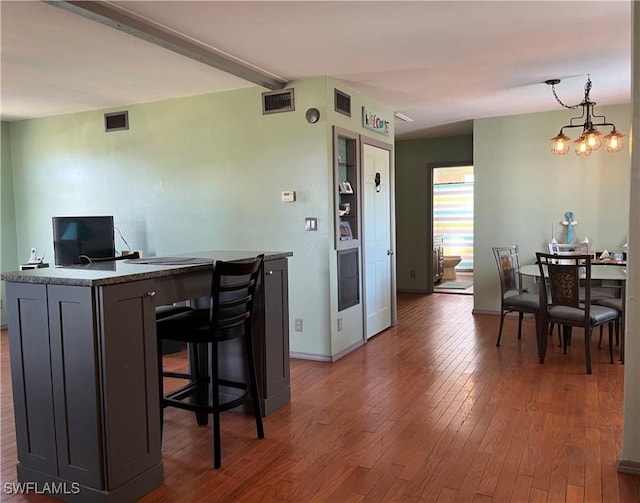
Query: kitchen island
(85, 371)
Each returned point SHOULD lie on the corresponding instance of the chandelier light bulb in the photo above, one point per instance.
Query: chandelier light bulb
(593, 139)
(560, 144)
(613, 141)
(582, 148)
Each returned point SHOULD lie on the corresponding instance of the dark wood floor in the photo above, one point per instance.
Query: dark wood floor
(429, 410)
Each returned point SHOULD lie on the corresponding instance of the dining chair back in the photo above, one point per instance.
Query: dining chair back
(513, 298)
(564, 302)
(564, 249)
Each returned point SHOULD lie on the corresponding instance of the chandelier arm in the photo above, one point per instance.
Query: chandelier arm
(604, 123)
(580, 117)
(570, 126)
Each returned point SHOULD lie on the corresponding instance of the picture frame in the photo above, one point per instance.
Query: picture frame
(345, 188)
(345, 231)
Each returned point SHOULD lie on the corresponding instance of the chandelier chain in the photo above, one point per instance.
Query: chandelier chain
(587, 90)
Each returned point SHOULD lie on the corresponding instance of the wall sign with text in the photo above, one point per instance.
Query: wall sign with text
(371, 120)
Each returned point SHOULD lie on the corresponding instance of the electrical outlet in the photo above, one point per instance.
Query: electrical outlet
(412, 274)
(339, 324)
(298, 325)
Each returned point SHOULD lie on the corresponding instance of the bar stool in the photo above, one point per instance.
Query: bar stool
(229, 317)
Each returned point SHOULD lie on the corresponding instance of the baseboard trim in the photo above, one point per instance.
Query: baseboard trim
(347, 350)
(301, 355)
(629, 467)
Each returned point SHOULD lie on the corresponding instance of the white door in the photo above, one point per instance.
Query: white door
(376, 239)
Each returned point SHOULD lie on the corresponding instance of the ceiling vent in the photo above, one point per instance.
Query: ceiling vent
(274, 102)
(342, 103)
(116, 121)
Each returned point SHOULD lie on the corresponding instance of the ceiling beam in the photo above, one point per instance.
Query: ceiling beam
(103, 12)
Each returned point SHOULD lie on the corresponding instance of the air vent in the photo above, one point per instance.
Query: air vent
(342, 103)
(275, 102)
(116, 121)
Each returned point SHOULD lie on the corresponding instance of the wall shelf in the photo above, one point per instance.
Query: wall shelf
(346, 151)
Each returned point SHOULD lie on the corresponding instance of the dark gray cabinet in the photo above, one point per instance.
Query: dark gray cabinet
(271, 339)
(130, 366)
(31, 377)
(74, 346)
(84, 378)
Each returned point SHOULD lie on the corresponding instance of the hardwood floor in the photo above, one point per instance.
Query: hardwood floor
(429, 410)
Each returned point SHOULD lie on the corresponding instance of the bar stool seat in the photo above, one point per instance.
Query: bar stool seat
(229, 318)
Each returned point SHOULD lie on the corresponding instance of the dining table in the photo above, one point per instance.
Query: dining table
(609, 274)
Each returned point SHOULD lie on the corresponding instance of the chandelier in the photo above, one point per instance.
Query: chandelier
(589, 140)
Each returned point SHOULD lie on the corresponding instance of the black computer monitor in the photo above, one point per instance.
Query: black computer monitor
(74, 237)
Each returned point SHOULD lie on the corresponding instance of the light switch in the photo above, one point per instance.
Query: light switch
(289, 196)
(311, 224)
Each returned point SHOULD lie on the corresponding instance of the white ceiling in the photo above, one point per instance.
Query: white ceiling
(442, 63)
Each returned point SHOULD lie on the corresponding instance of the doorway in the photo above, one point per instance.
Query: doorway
(378, 261)
(452, 224)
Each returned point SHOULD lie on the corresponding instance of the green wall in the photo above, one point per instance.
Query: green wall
(414, 204)
(199, 173)
(522, 189)
(8, 249)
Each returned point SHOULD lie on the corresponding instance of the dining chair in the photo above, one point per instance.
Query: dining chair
(561, 301)
(513, 298)
(598, 293)
(227, 320)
